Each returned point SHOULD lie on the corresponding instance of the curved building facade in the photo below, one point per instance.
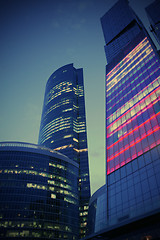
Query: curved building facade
(97, 214)
(38, 193)
(63, 126)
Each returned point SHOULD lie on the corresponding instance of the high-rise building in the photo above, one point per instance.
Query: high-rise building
(38, 193)
(132, 127)
(63, 127)
(132, 116)
(153, 13)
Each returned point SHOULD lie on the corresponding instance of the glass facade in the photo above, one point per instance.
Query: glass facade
(63, 127)
(153, 11)
(97, 215)
(39, 196)
(132, 117)
(119, 28)
(130, 201)
(133, 107)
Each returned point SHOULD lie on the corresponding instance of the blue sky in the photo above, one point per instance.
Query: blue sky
(38, 37)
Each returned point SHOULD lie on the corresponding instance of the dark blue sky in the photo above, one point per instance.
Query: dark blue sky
(38, 37)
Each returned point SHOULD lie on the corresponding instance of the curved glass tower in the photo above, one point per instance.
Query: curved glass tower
(38, 193)
(63, 126)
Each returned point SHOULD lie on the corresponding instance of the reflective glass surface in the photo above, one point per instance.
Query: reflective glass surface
(97, 216)
(132, 117)
(134, 189)
(120, 25)
(63, 126)
(38, 195)
(133, 106)
(133, 132)
(153, 11)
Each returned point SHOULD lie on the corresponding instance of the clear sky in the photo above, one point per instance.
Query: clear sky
(38, 37)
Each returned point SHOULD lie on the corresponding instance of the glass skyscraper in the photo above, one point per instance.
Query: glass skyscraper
(38, 193)
(132, 116)
(132, 129)
(63, 127)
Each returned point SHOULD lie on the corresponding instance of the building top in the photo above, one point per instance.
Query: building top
(120, 22)
(61, 70)
(153, 11)
(30, 147)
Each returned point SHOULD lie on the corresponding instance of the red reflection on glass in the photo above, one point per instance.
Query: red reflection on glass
(131, 145)
(141, 128)
(139, 103)
(116, 165)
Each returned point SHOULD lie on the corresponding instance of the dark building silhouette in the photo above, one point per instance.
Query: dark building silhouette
(63, 127)
(153, 13)
(132, 129)
(39, 196)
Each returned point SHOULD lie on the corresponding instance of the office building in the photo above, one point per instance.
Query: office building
(97, 214)
(132, 128)
(63, 127)
(153, 13)
(39, 193)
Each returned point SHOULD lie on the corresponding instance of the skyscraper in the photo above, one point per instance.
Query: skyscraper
(153, 13)
(63, 127)
(132, 116)
(132, 129)
(39, 194)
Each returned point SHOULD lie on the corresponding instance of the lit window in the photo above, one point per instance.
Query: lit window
(53, 196)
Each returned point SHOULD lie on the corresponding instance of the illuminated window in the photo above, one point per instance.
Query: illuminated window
(67, 136)
(53, 196)
(86, 207)
(133, 128)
